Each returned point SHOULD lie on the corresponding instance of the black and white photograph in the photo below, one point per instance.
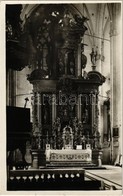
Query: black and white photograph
(63, 97)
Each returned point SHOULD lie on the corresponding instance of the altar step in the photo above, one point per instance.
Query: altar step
(70, 164)
(75, 164)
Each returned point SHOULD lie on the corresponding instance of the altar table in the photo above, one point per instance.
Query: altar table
(69, 155)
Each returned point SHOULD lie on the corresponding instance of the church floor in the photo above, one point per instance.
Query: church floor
(112, 175)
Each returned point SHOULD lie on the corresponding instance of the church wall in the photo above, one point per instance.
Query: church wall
(105, 70)
(116, 80)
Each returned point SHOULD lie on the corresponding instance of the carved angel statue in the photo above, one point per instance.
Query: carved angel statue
(80, 20)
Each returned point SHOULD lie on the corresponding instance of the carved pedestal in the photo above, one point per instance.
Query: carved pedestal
(97, 157)
(38, 158)
(34, 159)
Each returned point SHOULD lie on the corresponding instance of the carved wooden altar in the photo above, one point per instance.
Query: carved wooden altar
(64, 102)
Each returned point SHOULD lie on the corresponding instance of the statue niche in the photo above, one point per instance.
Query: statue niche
(67, 137)
(71, 63)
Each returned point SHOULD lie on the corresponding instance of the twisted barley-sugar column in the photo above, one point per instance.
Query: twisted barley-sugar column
(79, 108)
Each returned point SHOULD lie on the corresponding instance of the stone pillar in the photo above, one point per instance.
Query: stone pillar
(116, 76)
(96, 151)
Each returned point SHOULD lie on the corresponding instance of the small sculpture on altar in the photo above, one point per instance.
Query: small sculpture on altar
(61, 67)
(85, 75)
(56, 132)
(61, 63)
(71, 63)
(65, 112)
(93, 55)
(83, 142)
(67, 137)
(80, 21)
(75, 122)
(83, 59)
(85, 116)
(46, 112)
(56, 123)
(80, 125)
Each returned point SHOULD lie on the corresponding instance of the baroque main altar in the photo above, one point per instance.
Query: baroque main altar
(65, 97)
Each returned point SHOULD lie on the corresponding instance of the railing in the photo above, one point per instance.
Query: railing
(58, 179)
(47, 173)
(45, 179)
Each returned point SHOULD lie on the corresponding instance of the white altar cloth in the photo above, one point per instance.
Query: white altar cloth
(69, 155)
